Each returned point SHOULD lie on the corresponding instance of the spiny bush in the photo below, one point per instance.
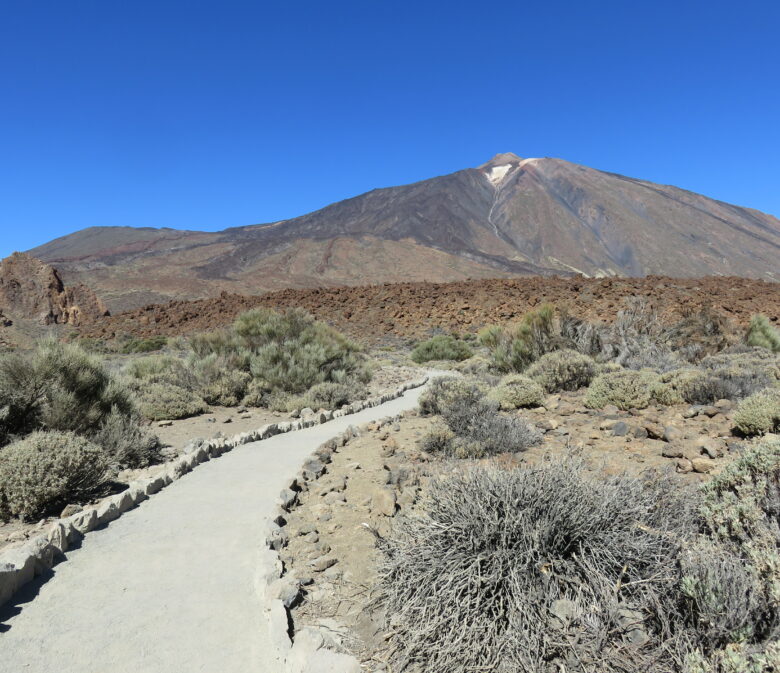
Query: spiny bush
(761, 333)
(57, 387)
(538, 569)
(441, 347)
(627, 389)
(562, 370)
(515, 391)
(697, 334)
(438, 440)
(161, 369)
(159, 401)
(47, 470)
(750, 360)
(515, 347)
(759, 413)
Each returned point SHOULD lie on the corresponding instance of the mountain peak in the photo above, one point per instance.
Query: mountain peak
(502, 159)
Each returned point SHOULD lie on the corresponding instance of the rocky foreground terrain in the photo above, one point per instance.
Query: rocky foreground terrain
(378, 313)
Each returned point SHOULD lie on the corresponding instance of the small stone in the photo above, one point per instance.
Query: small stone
(640, 433)
(702, 465)
(711, 446)
(323, 563)
(70, 510)
(228, 420)
(620, 429)
(672, 434)
(654, 430)
(684, 466)
(211, 420)
(673, 451)
(547, 424)
(164, 424)
(723, 405)
(383, 501)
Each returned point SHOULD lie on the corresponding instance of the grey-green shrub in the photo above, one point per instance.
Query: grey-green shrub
(759, 413)
(219, 380)
(562, 370)
(144, 345)
(761, 333)
(57, 387)
(329, 395)
(159, 401)
(443, 389)
(676, 386)
(47, 470)
(441, 347)
(515, 391)
(627, 389)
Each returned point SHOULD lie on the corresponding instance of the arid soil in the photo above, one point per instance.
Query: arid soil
(380, 313)
(378, 475)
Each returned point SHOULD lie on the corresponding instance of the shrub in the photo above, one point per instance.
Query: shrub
(481, 431)
(219, 380)
(727, 383)
(438, 440)
(57, 387)
(517, 346)
(47, 470)
(534, 569)
(562, 370)
(474, 366)
(292, 351)
(441, 347)
(515, 391)
(328, 395)
(490, 336)
(627, 389)
(675, 387)
(126, 442)
(146, 345)
(761, 333)
(749, 360)
(759, 413)
(161, 369)
(165, 401)
(731, 584)
(445, 388)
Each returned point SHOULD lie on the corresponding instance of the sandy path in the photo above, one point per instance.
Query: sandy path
(169, 586)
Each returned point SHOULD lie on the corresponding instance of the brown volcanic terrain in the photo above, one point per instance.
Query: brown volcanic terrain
(411, 310)
(508, 217)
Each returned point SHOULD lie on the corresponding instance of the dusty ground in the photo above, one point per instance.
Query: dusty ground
(377, 313)
(378, 474)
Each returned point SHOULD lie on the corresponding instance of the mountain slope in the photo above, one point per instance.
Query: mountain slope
(509, 216)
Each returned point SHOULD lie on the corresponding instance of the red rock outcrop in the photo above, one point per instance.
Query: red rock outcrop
(33, 290)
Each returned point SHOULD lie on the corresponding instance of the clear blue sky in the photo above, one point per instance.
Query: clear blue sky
(205, 115)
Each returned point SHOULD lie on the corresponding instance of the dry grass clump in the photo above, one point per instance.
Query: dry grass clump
(515, 391)
(541, 569)
(441, 347)
(46, 470)
(627, 389)
(562, 370)
(759, 413)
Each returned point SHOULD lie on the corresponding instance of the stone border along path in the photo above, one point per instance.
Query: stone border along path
(172, 585)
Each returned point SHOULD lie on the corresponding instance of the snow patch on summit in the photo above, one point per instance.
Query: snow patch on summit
(497, 173)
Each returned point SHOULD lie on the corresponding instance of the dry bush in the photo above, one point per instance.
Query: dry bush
(627, 389)
(515, 391)
(562, 370)
(676, 386)
(47, 470)
(220, 380)
(541, 570)
(441, 347)
(727, 383)
(444, 388)
(759, 413)
(328, 395)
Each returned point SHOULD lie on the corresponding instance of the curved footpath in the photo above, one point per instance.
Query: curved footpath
(169, 587)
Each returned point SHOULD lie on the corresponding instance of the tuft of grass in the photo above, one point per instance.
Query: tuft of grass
(441, 347)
